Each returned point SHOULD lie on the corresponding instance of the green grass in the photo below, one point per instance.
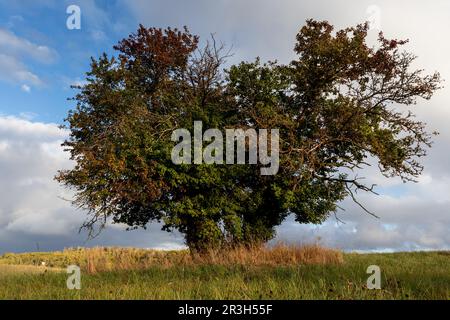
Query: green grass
(421, 275)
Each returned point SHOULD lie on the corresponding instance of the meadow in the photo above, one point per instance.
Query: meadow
(281, 272)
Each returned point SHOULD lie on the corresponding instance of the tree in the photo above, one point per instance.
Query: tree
(336, 105)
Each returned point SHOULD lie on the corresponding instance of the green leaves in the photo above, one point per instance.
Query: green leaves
(333, 106)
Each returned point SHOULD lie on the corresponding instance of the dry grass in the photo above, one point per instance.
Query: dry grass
(6, 270)
(96, 260)
(279, 255)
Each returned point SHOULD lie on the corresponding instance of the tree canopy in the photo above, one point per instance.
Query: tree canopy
(339, 103)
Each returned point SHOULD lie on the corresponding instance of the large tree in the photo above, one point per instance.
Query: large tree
(336, 105)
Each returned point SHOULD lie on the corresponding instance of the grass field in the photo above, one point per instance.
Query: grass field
(279, 273)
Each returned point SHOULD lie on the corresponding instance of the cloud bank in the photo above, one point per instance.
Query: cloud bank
(33, 212)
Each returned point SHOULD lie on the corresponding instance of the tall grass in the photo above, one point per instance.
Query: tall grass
(99, 259)
(279, 255)
(280, 272)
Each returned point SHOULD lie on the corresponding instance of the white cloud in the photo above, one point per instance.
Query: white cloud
(26, 88)
(69, 82)
(15, 46)
(14, 71)
(98, 35)
(24, 131)
(28, 195)
(13, 50)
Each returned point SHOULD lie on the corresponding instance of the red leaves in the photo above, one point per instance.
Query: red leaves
(163, 49)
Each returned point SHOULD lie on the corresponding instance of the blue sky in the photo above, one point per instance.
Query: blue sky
(44, 24)
(103, 23)
(40, 58)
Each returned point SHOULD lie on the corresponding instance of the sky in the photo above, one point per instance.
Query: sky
(40, 58)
